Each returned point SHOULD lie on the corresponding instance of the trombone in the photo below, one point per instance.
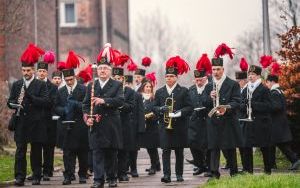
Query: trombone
(249, 107)
(167, 119)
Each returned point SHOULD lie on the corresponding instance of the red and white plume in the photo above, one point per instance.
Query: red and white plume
(179, 63)
(32, 54)
(146, 61)
(151, 76)
(61, 65)
(204, 63)
(243, 65)
(49, 57)
(86, 74)
(266, 61)
(73, 61)
(222, 50)
(108, 52)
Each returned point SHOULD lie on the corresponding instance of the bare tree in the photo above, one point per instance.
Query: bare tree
(157, 38)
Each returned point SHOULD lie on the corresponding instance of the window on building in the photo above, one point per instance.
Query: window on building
(68, 14)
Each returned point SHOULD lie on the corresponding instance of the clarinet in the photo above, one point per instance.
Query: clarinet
(20, 99)
(91, 114)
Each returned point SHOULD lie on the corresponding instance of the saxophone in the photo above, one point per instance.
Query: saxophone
(167, 119)
(20, 99)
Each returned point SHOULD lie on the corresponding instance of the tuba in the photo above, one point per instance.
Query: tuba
(249, 108)
(167, 119)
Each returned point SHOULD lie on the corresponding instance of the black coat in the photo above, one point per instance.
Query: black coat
(150, 138)
(49, 111)
(223, 132)
(30, 128)
(107, 133)
(72, 136)
(126, 121)
(280, 129)
(197, 131)
(258, 132)
(176, 138)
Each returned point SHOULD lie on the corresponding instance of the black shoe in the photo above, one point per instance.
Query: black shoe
(134, 174)
(151, 171)
(46, 177)
(198, 171)
(50, 174)
(36, 182)
(66, 181)
(295, 165)
(179, 178)
(19, 182)
(166, 179)
(207, 174)
(30, 178)
(97, 185)
(190, 161)
(82, 180)
(112, 183)
(123, 178)
(72, 177)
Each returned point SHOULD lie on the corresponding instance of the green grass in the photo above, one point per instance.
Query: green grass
(7, 166)
(256, 181)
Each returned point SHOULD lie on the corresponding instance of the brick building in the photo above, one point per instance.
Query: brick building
(61, 25)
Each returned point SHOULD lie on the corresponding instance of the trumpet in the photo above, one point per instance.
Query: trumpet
(249, 107)
(167, 119)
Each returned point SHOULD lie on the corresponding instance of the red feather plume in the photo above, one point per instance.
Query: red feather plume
(146, 61)
(151, 76)
(49, 57)
(86, 74)
(121, 60)
(223, 49)
(61, 65)
(32, 54)
(132, 66)
(204, 63)
(73, 60)
(275, 69)
(243, 64)
(179, 63)
(266, 60)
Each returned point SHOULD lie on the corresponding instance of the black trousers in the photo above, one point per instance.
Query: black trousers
(35, 160)
(90, 160)
(166, 154)
(105, 162)
(132, 160)
(248, 159)
(122, 162)
(48, 157)
(154, 157)
(215, 161)
(242, 153)
(200, 157)
(69, 157)
(286, 149)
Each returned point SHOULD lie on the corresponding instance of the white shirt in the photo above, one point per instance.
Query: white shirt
(170, 89)
(219, 82)
(137, 86)
(27, 82)
(102, 83)
(254, 85)
(201, 89)
(71, 88)
(275, 86)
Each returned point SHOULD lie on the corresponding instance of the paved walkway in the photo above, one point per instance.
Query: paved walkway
(143, 181)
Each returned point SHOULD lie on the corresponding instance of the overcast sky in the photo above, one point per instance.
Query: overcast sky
(211, 22)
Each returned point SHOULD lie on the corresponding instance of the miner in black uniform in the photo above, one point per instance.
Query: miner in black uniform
(281, 134)
(139, 75)
(173, 136)
(150, 138)
(49, 145)
(106, 132)
(26, 122)
(223, 130)
(257, 133)
(197, 131)
(57, 78)
(127, 124)
(68, 106)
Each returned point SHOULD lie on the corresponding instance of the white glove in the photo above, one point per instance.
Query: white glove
(175, 115)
